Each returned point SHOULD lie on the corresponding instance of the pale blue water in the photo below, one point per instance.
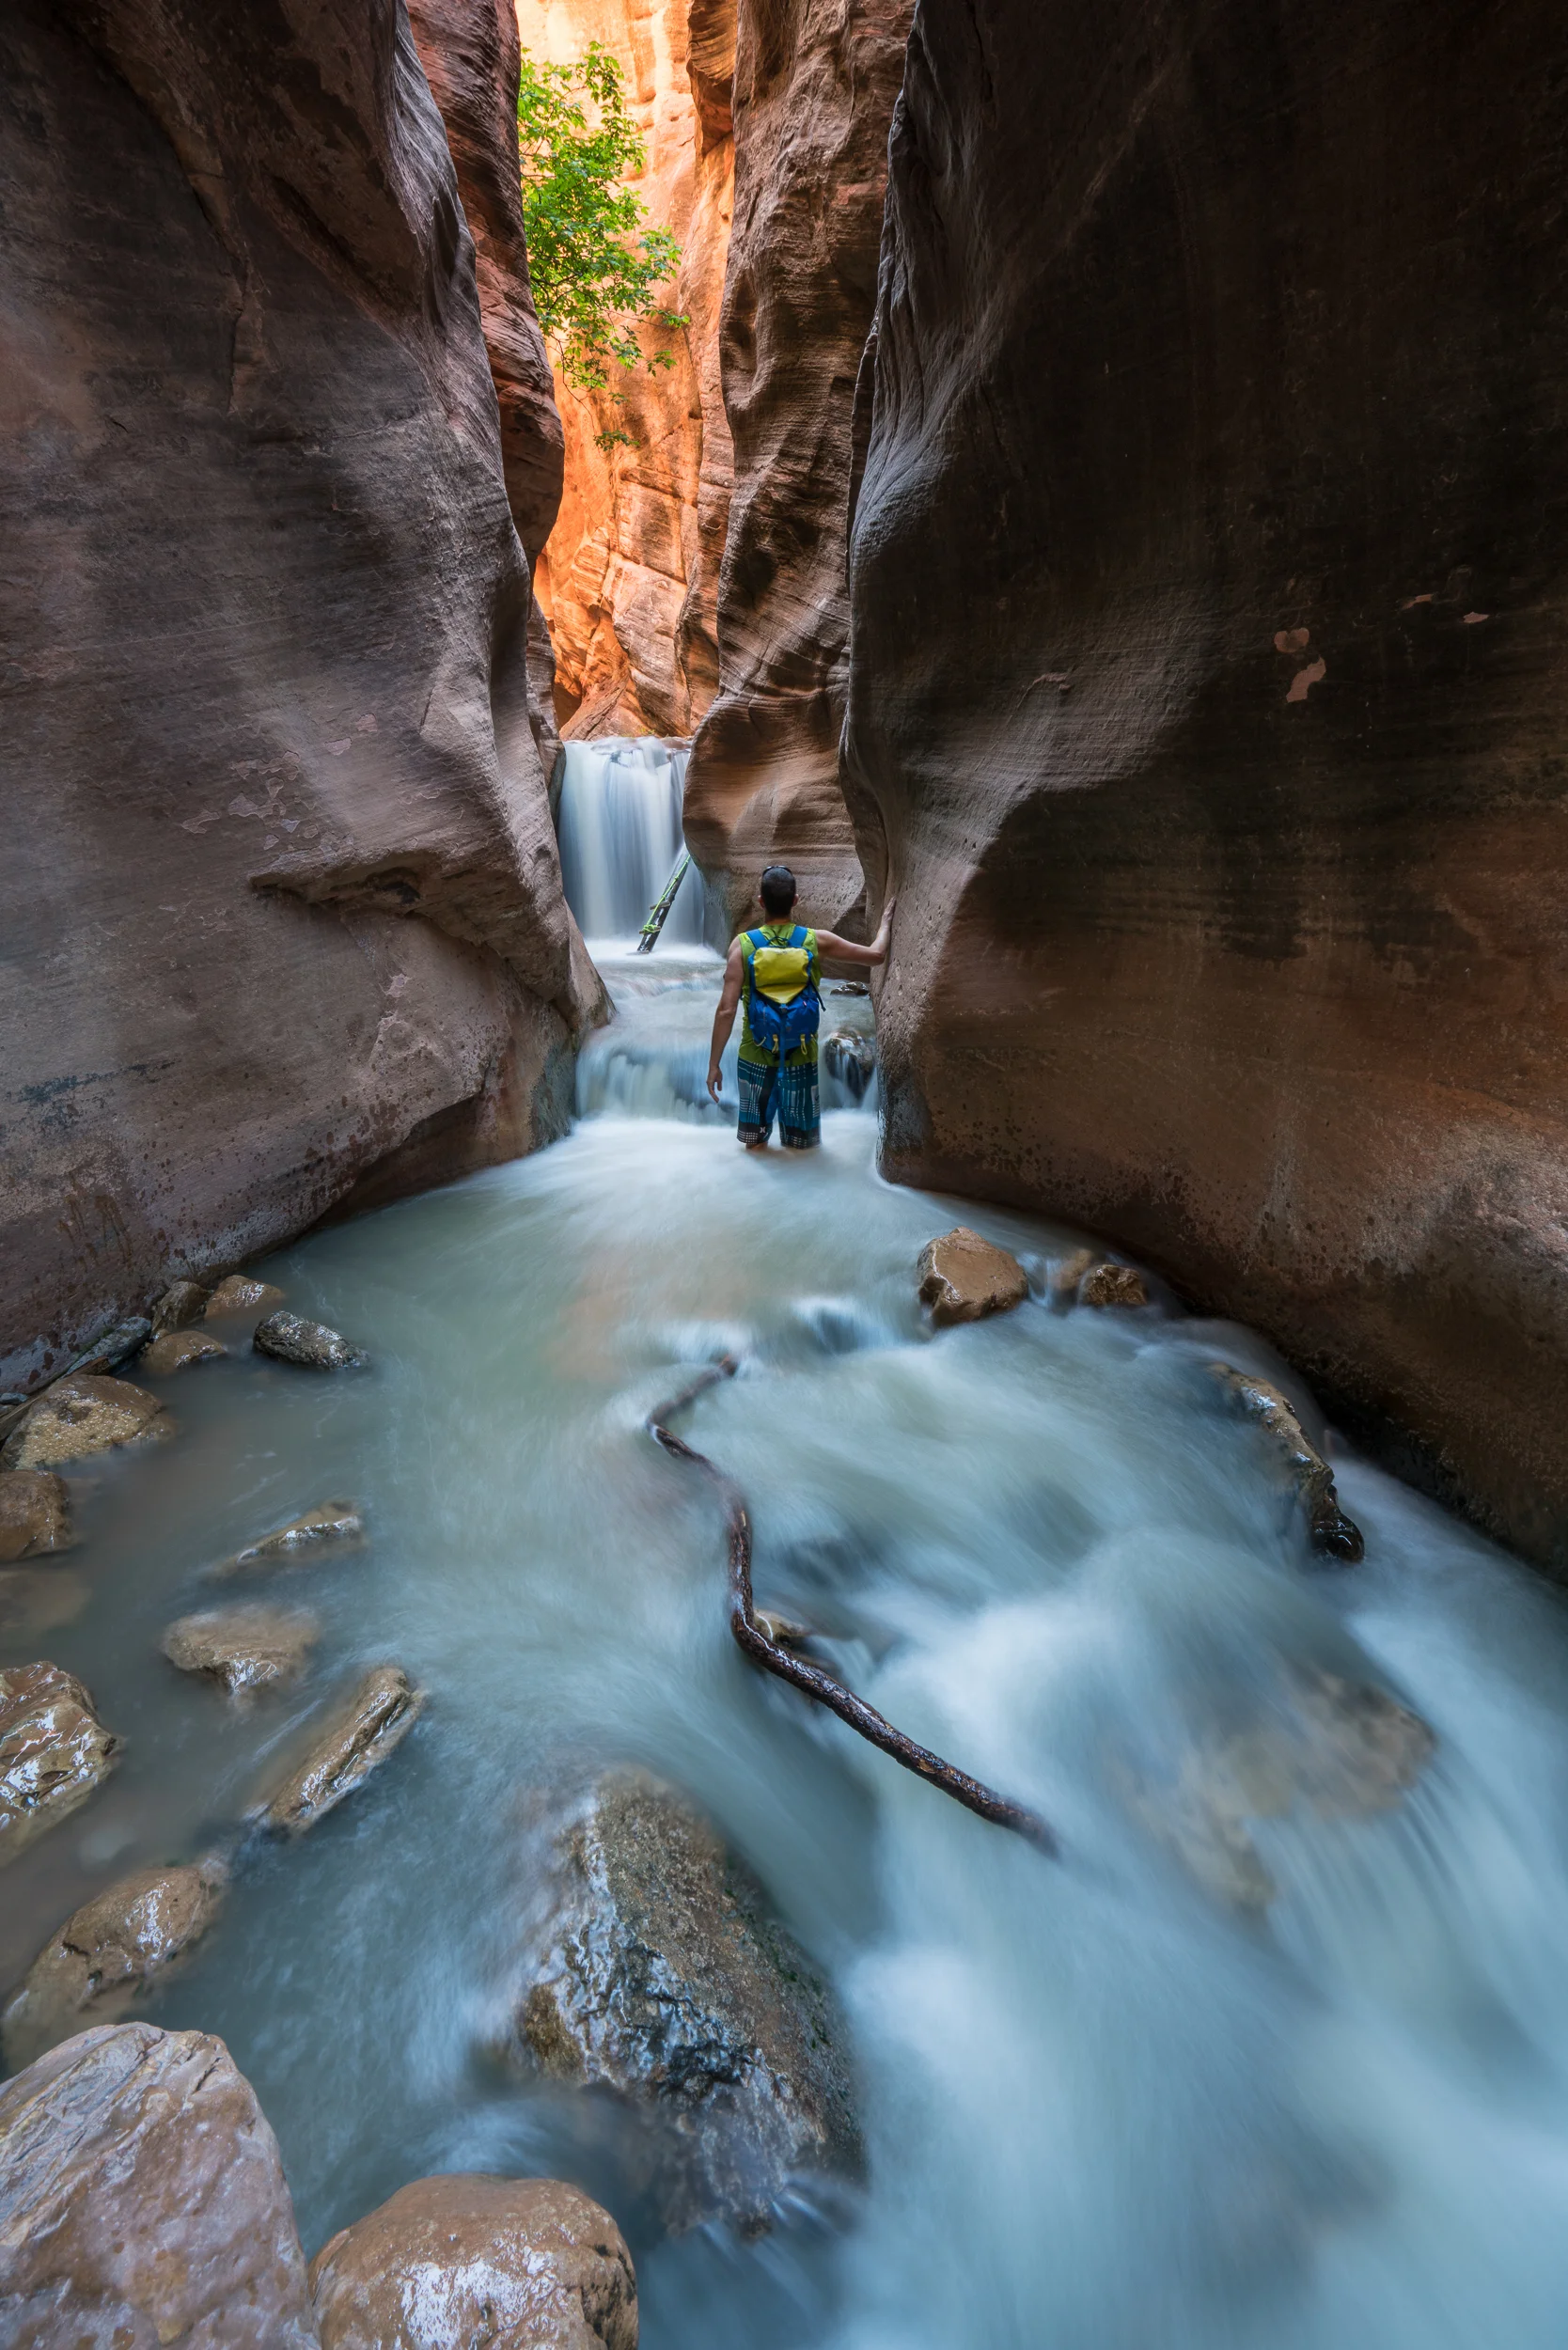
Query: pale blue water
(1107, 2108)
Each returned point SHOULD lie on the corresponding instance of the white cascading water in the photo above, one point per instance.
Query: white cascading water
(620, 828)
(1274, 2058)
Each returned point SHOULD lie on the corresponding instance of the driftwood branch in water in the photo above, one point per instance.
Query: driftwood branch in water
(816, 1684)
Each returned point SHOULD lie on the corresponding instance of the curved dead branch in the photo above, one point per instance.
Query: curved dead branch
(815, 1683)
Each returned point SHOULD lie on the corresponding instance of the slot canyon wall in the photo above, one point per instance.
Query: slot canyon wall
(282, 909)
(1208, 682)
(628, 580)
(815, 84)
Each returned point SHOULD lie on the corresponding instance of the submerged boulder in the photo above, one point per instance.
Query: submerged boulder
(81, 1414)
(329, 1522)
(35, 1600)
(289, 1339)
(377, 1718)
(963, 1278)
(1331, 1747)
(142, 2202)
(458, 2261)
(108, 1951)
(53, 1751)
(1309, 1474)
(176, 1349)
(237, 1293)
(243, 1649)
(183, 1302)
(35, 1515)
(655, 1972)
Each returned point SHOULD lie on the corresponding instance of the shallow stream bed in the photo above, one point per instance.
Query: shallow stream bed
(1113, 2102)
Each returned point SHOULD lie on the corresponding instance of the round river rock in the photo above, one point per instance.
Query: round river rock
(451, 2262)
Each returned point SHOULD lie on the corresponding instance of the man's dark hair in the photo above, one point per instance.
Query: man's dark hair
(778, 889)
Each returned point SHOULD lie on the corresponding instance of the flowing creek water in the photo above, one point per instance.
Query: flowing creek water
(1130, 2098)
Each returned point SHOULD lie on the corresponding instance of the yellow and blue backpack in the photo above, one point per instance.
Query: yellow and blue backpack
(783, 1007)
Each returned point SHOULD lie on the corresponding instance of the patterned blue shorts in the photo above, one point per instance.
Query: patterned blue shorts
(793, 1092)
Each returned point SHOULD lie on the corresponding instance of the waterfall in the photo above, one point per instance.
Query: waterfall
(620, 827)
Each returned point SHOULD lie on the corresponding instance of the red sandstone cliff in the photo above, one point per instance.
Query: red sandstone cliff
(281, 906)
(1209, 684)
(814, 89)
(628, 579)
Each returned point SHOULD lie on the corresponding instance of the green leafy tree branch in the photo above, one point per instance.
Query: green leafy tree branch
(596, 270)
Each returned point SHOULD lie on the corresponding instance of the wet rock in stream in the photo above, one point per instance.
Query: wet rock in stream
(244, 1649)
(330, 1523)
(655, 1972)
(963, 1278)
(459, 2260)
(176, 1349)
(143, 2202)
(182, 1302)
(289, 1339)
(1309, 1474)
(81, 1414)
(1335, 1748)
(851, 1058)
(35, 1515)
(107, 1952)
(53, 1751)
(357, 1741)
(237, 1293)
(1107, 1283)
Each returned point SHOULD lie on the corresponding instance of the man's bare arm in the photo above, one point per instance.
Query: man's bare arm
(845, 950)
(724, 1019)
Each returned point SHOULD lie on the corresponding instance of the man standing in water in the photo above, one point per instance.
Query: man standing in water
(779, 965)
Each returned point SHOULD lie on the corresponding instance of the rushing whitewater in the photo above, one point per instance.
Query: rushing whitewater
(619, 827)
(1292, 2082)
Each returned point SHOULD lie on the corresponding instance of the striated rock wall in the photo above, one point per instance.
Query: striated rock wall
(814, 89)
(281, 904)
(1209, 677)
(628, 579)
(469, 51)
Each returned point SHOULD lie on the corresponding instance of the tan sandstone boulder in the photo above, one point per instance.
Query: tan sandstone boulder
(243, 1649)
(53, 1751)
(82, 1415)
(963, 1278)
(297, 1543)
(34, 1515)
(142, 2204)
(447, 2263)
(377, 1718)
(176, 1349)
(1107, 1283)
(237, 1293)
(108, 1951)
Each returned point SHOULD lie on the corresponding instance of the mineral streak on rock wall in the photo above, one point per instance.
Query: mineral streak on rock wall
(1209, 683)
(629, 581)
(814, 89)
(281, 904)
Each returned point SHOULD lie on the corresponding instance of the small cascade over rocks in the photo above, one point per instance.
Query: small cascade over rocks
(619, 827)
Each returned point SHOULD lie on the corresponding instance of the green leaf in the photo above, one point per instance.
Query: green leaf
(596, 270)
